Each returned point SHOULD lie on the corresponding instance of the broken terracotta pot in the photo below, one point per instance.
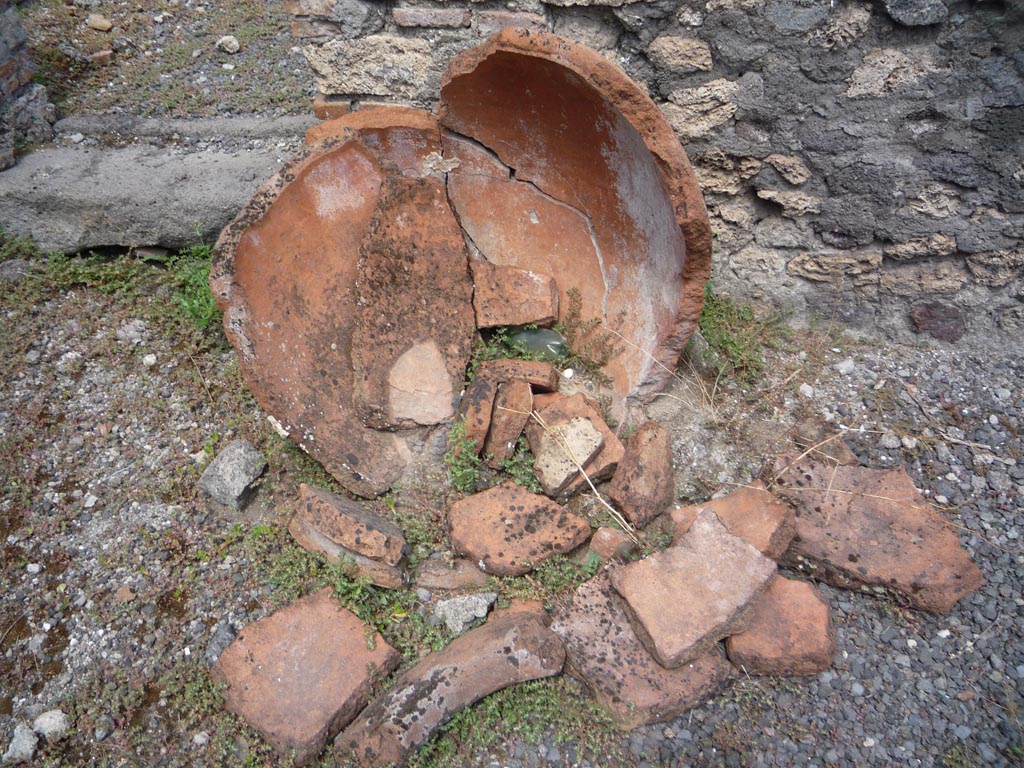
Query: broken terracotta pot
(346, 281)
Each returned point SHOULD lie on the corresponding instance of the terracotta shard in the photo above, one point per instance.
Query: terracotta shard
(476, 410)
(510, 648)
(286, 678)
(379, 573)
(543, 377)
(351, 524)
(603, 198)
(643, 484)
(508, 531)
(512, 407)
(789, 632)
(752, 513)
(509, 296)
(720, 576)
(413, 330)
(284, 273)
(603, 652)
(564, 450)
(871, 527)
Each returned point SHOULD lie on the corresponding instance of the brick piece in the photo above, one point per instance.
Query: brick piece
(789, 632)
(720, 575)
(330, 107)
(643, 485)
(489, 22)
(542, 376)
(476, 409)
(512, 407)
(351, 524)
(509, 296)
(451, 18)
(752, 513)
(301, 674)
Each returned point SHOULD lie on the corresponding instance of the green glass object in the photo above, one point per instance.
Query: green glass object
(542, 342)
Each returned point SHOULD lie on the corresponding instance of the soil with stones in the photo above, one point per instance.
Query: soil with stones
(121, 583)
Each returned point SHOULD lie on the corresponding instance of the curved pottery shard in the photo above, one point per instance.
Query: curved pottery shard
(345, 281)
(586, 183)
(345, 289)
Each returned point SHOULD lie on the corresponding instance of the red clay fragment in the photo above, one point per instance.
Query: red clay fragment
(512, 408)
(871, 527)
(288, 677)
(508, 296)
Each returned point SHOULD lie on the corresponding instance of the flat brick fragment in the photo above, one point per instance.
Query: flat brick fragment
(329, 108)
(789, 632)
(604, 653)
(561, 410)
(643, 484)
(720, 576)
(379, 573)
(858, 527)
(508, 531)
(489, 22)
(510, 648)
(512, 407)
(301, 674)
(508, 296)
(750, 512)
(351, 524)
(543, 377)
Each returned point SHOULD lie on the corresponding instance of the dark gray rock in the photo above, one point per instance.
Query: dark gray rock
(230, 478)
(916, 13)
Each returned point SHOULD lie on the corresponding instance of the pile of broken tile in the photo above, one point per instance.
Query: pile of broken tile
(649, 637)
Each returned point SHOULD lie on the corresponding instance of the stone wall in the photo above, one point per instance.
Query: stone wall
(25, 112)
(860, 161)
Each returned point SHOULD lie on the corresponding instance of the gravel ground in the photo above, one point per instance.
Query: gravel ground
(119, 583)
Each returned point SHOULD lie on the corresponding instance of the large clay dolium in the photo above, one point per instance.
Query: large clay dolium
(345, 280)
(598, 192)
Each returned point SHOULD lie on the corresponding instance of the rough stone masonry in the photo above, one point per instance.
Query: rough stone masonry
(860, 161)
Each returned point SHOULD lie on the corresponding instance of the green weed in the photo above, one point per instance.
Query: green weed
(191, 269)
(737, 336)
(519, 467)
(462, 463)
(556, 705)
(552, 580)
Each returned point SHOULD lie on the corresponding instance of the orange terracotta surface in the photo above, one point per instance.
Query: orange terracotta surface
(602, 196)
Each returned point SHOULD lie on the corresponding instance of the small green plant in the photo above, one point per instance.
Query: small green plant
(555, 705)
(737, 336)
(191, 269)
(591, 347)
(15, 247)
(498, 345)
(461, 460)
(552, 580)
(519, 467)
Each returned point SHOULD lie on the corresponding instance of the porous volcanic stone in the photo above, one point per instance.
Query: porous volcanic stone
(301, 674)
(719, 574)
(603, 652)
(871, 527)
(512, 407)
(554, 410)
(562, 450)
(602, 187)
(510, 648)
(789, 632)
(230, 477)
(643, 484)
(751, 513)
(351, 524)
(508, 296)
(507, 530)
